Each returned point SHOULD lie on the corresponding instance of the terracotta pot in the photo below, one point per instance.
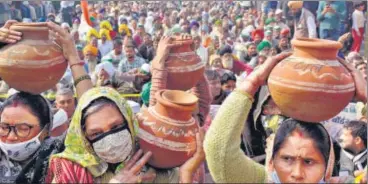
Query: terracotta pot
(184, 66)
(34, 64)
(311, 85)
(168, 129)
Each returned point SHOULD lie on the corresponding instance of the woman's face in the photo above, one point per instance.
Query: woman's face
(26, 124)
(299, 161)
(102, 121)
(215, 87)
(217, 63)
(229, 86)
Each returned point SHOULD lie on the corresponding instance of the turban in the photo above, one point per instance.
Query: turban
(285, 32)
(278, 11)
(257, 32)
(106, 25)
(263, 45)
(106, 33)
(226, 49)
(277, 28)
(90, 49)
(92, 32)
(295, 4)
(107, 66)
(194, 23)
(124, 27)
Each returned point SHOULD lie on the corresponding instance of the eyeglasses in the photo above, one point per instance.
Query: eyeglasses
(21, 130)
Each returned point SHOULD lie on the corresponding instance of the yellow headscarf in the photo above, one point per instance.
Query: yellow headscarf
(124, 27)
(106, 33)
(77, 148)
(106, 25)
(90, 48)
(92, 32)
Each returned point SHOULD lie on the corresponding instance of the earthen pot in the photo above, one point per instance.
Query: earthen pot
(168, 129)
(184, 66)
(311, 85)
(34, 64)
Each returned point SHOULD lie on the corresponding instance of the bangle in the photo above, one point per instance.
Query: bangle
(81, 63)
(84, 77)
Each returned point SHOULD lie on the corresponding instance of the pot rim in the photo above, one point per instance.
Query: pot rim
(316, 43)
(166, 101)
(29, 26)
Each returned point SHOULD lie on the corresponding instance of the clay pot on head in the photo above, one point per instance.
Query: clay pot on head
(185, 68)
(34, 64)
(168, 129)
(311, 85)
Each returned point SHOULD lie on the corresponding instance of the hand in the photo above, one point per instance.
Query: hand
(9, 36)
(258, 77)
(65, 40)
(141, 76)
(163, 50)
(191, 165)
(130, 173)
(360, 82)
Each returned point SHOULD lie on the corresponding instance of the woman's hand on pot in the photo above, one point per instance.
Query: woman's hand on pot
(7, 35)
(259, 76)
(191, 166)
(64, 40)
(360, 82)
(163, 50)
(131, 172)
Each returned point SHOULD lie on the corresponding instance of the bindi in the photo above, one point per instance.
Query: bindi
(299, 133)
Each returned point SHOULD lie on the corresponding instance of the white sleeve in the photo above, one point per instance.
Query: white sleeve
(311, 27)
(355, 18)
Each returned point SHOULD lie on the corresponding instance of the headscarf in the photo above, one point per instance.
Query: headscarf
(92, 32)
(213, 57)
(257, 32)
(106, 33)
(263, 45)
(125, 28)
(106, 25)
(77, 148)
(90, 48)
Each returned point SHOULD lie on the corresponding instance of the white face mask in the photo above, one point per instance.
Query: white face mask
(23, 150)
(114, 147)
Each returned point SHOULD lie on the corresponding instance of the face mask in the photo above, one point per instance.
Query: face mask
(115, 146)
(21, 151)
(227, 92)
(228, 63)
(275, 178)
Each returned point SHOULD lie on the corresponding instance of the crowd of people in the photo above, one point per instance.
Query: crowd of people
(116, 48)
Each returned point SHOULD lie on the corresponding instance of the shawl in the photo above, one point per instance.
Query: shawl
(77, 147)
(34, 169)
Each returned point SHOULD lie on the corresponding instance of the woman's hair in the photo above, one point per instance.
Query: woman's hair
(212, 75)
(94, 107)
(37, 105)
(314, 131)
(228, 76)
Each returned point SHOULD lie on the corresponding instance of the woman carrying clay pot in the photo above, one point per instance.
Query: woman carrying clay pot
(25, 127)
(301, 151)
(98, 152)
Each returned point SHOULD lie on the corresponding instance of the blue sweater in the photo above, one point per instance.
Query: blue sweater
(331, 20)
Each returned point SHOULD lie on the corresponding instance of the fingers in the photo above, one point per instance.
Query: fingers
(132, 161)
(9, 23)
(348, 66)
(138, 166)
(148, 177)
(56, 29)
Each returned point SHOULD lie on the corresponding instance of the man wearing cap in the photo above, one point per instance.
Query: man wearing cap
(279, 21)
(304, 20)
(231, 63)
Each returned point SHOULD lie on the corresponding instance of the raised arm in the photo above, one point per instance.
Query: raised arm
(82, 80)
(226, 161)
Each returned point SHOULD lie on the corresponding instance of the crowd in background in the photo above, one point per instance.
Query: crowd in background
(119, 41)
